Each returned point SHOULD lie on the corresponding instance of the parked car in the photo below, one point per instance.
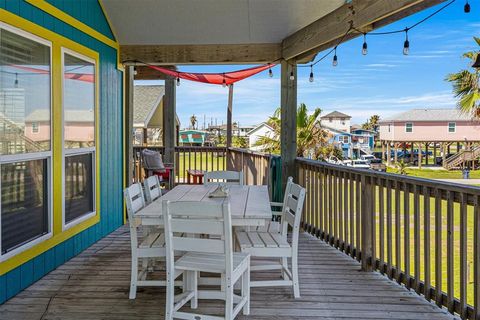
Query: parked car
(359, 164)
(377, 165)
(334, 160)
(439, 160)
(367, 157)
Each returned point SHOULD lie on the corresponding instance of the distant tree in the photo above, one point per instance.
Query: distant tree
(193, 121)
(311, 137)
(372, 123)
(466, 85)
(240, 142)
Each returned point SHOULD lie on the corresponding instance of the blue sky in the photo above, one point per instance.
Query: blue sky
(383, 82)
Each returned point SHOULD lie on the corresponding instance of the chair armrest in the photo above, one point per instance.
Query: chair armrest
(276, 204)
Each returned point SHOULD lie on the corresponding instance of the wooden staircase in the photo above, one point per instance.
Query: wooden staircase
(455, 161)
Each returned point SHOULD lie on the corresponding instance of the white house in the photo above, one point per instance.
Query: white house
(337, 121)
(262, 130)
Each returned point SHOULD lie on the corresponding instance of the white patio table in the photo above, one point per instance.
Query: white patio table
(250, 205)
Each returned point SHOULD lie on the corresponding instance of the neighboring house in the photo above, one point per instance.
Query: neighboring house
(354, 144)
(368, 135)
(336, 120)
(238, 131)
(79, 128)
(148, 115)
(262, 130)
(430, 125)
(192, 137)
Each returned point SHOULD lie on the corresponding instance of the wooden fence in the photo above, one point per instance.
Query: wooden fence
(255, 165)
(422, 233)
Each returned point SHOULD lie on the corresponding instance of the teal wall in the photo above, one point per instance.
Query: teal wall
(111, 146)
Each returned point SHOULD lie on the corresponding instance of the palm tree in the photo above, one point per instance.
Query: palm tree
(372, 123)
(311, 137)
(193, 121)
(466, 86)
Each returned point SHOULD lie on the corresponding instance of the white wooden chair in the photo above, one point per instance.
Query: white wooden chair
(152, 245)
(152, 188)
(275, 245)
(223, 177)
(195, 219)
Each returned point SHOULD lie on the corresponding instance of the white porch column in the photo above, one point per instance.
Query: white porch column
(288, 137)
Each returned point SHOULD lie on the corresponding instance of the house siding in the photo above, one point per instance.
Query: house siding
(110, 141)
(431, 131)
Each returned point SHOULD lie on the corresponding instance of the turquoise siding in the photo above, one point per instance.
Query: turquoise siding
(87, 11)
(111, 152)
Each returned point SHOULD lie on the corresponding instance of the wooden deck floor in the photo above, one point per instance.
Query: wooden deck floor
(94, 285)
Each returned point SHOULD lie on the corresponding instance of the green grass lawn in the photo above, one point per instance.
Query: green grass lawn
(200, 161)
(436, 174)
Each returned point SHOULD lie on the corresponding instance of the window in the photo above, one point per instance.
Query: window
(408, 127)
(79, 137)
(452, 126)
(34, 127)
(344, 139)
(25, 99)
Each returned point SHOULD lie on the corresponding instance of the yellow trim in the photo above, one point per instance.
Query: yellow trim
(58, 42)
(100, 2)
(59, 14)
(68, 19)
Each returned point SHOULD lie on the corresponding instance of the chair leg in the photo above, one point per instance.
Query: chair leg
(284, 266)
(228, 298)
(170, 295)
(246, 291)
(193, 283)
(296, 284)
(134, 278)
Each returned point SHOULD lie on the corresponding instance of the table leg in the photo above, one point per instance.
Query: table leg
(188, 177)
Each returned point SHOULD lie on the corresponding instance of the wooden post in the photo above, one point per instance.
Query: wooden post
(444, 155)
(229, 116)
(434, 153)
(419, 157)
(383, 150)
(145, 137)
(388, 155)
(169, 123)
(368, 223)
(396, 153)
(128, 124)
(288, 136)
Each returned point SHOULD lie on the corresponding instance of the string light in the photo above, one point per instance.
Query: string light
(270, 73)
(365, 46)
(406, 44)
(466, 8)
(15, 83)
(292, 77)
(224, 83)
(335, 58)
(178, 81)
(311, 74)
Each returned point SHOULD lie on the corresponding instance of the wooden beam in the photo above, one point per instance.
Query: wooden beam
(201, 54)
(229, 116)
(365, 15)
(146, 73)
(288, 132)
(169, 123)
(128, 124)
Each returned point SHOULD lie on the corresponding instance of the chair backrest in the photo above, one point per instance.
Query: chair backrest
(223, 177)
(152, 188)
(134, 202)
(292, 210)
(195, 220)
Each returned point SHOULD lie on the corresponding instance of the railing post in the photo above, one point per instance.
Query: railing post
(367, 223)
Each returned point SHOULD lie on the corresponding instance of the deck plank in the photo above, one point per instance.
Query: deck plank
(95, 284)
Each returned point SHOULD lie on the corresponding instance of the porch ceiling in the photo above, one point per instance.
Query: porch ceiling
(166, 22)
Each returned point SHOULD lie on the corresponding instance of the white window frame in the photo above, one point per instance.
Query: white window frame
(79, 151)
(46, 155)
(406, 124)
(454, 127)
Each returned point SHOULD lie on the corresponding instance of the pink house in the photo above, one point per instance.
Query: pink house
(430, 125)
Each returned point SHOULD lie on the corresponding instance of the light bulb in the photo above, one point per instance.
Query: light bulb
(406, 47)
(178, 81)
(335, 61)
(466, 8)
(292, 77)
(224, 83)
(15, 83)
(365, 46)
(311, 77)
(406, 44)
(270, 73)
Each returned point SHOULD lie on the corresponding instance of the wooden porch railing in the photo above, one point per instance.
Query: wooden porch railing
(255, 165)
(422, 233)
